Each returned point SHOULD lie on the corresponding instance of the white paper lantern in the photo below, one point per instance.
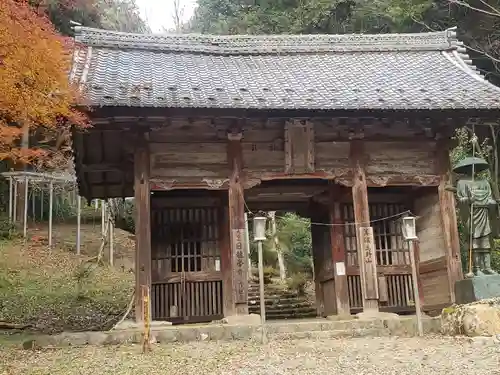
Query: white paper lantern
(259, 228)
(409, 228)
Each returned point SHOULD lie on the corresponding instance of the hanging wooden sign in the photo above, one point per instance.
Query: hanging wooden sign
(240, 264)
(368, 262)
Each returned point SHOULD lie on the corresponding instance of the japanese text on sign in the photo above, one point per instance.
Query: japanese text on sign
(239, 264)
(368, 262)
(367, 243)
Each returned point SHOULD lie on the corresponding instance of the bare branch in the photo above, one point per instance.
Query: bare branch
(490, 6)
(422, 23)
(496, 13)
(483, 53)
(178, 15)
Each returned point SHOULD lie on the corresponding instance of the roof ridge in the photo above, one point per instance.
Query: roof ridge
(268, 44)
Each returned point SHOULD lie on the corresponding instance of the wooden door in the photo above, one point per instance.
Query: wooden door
(393, 258)
(186, 274)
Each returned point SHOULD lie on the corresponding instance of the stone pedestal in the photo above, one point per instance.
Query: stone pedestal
(477, 288)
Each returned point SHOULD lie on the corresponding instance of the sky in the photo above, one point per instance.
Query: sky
(159, 13)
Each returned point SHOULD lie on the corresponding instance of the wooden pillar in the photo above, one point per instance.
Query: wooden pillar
(338, 253)
(237, 225)
(318, 257)
(225, 260)
(448, 216)
(142, 196)
(366, 258)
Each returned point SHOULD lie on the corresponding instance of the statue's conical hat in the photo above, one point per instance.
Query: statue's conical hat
(464, 166)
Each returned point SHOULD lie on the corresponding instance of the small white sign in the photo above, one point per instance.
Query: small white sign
(217, 264)
(340, 268)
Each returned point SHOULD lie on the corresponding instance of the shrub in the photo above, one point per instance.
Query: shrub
(297, 283)
(7, 229)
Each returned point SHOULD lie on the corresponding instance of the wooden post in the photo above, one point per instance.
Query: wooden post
(78, 225)
(51, 208)
(338, 254)
(247, 248)
(448, 217)
(142, 196)
(416, 291)
(11, 198)
(369, 280)
(226, 260)
(237, 224)
(25, 208)
(416, 251)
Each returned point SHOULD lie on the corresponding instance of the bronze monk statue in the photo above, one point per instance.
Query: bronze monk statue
(476, 203)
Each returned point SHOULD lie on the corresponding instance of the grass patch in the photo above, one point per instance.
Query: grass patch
(54, 291)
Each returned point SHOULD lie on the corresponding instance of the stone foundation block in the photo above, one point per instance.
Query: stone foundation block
(477, 289)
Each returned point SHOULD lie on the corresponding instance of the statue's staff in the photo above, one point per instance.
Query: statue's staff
(471, 218)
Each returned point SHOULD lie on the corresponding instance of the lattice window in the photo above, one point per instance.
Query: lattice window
(389, 243)
(186, 240)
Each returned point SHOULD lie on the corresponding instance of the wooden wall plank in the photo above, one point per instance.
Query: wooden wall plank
(407, 158)
(449, 216)
(429, 225)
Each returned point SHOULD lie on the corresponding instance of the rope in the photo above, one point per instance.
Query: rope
(407, 212)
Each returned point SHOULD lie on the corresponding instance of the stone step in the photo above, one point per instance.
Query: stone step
(256, 287)
(325, 335)
(281, 303)
(276, 315)
(317, 328)
(274, 295)
(284, 308)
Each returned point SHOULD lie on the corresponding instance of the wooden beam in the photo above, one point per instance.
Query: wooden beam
(338, 252)
(369, 280)
(448, 217)
(237, 224)
(142, 225)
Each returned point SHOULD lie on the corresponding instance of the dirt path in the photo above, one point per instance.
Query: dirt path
(429, 356)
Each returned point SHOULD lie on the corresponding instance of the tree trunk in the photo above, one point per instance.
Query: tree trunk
(276, 246)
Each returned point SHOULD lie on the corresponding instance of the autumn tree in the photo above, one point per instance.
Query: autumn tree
(36, 97)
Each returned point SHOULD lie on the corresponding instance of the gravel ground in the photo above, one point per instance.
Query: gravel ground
(361, 356)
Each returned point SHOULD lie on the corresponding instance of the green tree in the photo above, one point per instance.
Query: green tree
(120, 15)
(293, 237)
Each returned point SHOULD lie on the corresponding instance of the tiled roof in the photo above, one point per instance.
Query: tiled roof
(387, 71)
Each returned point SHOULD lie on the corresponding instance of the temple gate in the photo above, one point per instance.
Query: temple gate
(351, 131)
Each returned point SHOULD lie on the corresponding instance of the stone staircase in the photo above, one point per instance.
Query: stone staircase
(280, 303)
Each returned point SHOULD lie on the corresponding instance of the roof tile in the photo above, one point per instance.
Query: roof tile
(398, 71)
